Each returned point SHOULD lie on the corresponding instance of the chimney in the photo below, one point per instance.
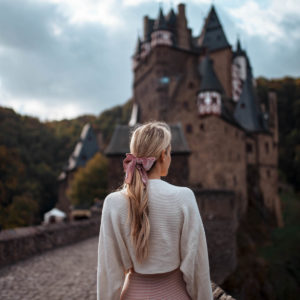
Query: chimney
(181, 10)
(146, 28)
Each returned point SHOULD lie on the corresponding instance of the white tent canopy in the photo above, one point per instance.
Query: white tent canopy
(55, 213)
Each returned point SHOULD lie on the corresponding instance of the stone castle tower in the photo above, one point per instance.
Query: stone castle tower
(205, 85)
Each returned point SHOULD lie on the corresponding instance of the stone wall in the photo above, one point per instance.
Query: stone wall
(21, 243)
(219, 209)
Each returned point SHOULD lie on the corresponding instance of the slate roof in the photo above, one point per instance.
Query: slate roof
(213, 36)
(209, 79)
(247, 111)
(119, 143)
(84, 150)
(138, 47)
(240, 52)
(160, 22)
(171, 18)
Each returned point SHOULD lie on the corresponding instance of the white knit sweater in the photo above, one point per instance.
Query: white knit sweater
(177, 239)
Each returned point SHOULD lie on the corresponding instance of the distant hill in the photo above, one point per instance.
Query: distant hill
(33, 153)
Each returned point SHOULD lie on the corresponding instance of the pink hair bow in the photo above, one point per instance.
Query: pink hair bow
(143, 164)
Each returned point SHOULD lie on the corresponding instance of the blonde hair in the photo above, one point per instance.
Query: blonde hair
(147, 140)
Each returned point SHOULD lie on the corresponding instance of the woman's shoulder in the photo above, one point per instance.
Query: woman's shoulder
(116, 199)
(181, 193)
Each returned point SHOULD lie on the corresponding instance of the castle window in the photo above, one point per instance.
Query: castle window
(189, 128)
(234, 180)
(268, 173)
(201, 126)
(248, 148)
(274, 145)
(191, 85)
(267, 147)
(164, 80)
(214, 100)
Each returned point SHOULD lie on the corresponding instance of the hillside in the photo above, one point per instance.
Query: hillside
(33, 153)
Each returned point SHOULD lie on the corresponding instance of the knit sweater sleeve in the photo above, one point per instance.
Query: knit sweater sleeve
(113, 257)
(194, 256)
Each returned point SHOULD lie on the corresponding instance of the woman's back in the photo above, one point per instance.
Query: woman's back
(166, 203)
(177, 238)
(152, 228)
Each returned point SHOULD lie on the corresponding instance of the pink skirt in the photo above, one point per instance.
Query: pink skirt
(164, 286)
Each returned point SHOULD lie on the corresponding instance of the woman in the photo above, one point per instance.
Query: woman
(151, 230)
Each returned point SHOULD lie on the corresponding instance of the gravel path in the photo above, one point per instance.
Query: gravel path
(64, 273)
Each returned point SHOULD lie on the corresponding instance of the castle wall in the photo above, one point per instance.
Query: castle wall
(268, 173)
(218, 157)
(218, 210)
(153, 96)
(251, 150)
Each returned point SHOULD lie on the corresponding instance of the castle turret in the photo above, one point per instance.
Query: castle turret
(212, 36)
(239, 71)
(209, 95)
(161, 35)
(247, 112)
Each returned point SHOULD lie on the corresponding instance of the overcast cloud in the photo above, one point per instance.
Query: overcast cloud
(64, 58)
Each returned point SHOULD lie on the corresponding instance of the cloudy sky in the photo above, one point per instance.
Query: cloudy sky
(63, 58)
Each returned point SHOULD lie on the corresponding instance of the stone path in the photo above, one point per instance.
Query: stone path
(67, 273)
(64, 273)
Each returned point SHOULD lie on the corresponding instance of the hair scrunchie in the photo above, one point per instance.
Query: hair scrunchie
(143, 164)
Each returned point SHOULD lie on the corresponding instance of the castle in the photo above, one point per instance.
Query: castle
(207, 87)
(224, 139)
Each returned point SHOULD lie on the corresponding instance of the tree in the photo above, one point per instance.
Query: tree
(89, 182)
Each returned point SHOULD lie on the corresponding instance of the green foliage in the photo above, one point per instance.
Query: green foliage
(108, 119)
(20, 212)
(283, 253)
(32, 155)
(89, 182)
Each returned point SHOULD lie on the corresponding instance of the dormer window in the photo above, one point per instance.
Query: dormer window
(209, 103)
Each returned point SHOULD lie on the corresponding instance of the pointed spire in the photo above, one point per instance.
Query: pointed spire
(138, 48)
(160, 22)
(238, 45)
(247, 112)
(212, 35)
(209, 81)
(171, 17)
(239, 51)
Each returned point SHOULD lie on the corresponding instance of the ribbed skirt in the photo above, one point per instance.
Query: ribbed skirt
(164, 286)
